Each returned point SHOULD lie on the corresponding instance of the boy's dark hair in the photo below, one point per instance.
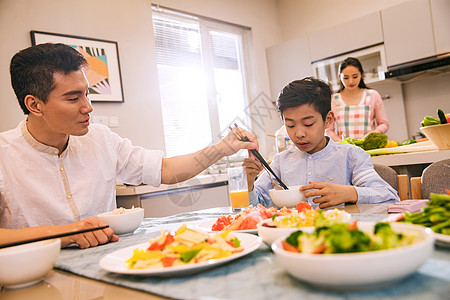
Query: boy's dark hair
(32, 69)
(351, 61)
(309, 90)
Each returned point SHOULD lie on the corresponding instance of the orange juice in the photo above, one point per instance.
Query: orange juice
(239, 199)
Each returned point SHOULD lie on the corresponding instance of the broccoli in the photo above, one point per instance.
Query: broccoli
(374, 140)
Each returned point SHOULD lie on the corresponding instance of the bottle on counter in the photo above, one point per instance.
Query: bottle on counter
(282, 139)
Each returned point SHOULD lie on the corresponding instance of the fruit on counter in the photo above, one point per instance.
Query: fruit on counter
(447, 116)
(374, 140)
(441, 116)
(408, 142)
(391, 144)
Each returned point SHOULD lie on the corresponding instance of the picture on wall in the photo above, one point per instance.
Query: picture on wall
(103, 57)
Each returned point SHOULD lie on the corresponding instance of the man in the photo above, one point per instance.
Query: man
(57, 169)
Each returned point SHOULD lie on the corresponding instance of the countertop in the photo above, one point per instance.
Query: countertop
(129, 190)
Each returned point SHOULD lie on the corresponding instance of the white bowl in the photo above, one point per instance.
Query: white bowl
(362, 270)
(289, 198)
(270, 234)
(26, 264)
(439, 135)
(125, 222)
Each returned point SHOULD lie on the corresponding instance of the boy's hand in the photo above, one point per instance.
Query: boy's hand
(252, 167)
(330, 194)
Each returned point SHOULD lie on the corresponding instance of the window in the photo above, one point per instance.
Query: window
(202, 78)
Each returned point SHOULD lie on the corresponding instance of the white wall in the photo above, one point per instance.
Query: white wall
(300, 17)
(129, 23)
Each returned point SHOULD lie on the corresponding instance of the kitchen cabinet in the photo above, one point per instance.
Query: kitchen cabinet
(408, 32)
(287, 62)
(440, 13)
(349, 36)
(372, 59)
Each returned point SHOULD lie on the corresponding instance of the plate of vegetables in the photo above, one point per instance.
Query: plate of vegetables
(435, 215)
(356, 256)
(244, 221)
(182, 252)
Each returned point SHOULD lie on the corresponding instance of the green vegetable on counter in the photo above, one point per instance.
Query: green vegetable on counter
(429, 121)
(375, 140)
(441, 116)
(407, 142)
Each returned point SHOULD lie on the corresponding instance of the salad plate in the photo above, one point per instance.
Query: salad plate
(115, 262)
(207, 226)
(442, 240)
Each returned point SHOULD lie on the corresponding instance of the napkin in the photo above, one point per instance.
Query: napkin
(407, 206)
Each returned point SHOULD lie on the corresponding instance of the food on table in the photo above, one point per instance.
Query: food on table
(121, 210)
(247, 219)
(346, 238)
(184, 246)
(436, 214)
(239, 199)
(308, 218)
(407, 142)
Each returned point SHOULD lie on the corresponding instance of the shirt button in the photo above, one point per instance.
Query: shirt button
(56, 151)
(61, 168)
(309, 173)
(69, 196)
(310, 157)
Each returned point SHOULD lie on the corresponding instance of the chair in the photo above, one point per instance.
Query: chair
(399, 182)
(435, 179)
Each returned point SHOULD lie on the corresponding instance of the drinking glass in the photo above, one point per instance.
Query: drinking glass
(237, 184)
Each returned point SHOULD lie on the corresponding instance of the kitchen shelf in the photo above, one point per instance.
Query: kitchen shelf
(373, 60)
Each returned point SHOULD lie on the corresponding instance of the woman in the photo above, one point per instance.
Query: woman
(357, 109)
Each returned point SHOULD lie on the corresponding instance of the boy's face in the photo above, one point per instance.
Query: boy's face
(306, 128)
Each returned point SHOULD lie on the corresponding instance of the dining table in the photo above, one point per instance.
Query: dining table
(257, 275)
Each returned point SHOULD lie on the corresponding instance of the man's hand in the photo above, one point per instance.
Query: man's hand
(88, 239)
(330, 194)
(252, 167)
(231, 144)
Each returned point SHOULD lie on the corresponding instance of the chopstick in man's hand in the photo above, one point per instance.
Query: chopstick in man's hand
(239, 133)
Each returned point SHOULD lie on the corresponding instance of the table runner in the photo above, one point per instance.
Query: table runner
(255, 276)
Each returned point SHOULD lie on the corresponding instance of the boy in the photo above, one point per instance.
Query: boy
(330, 173)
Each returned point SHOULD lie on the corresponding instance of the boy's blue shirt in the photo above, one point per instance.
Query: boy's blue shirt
(338, 163)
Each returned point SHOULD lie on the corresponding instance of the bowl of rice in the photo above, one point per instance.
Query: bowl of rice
(123, 220)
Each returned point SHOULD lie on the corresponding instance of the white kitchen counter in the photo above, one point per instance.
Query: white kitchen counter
(412, 163)
(412, 158)
(200, 192)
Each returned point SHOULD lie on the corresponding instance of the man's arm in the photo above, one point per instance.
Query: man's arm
(180, 168)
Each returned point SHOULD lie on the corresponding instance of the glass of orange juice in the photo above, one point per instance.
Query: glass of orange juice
(237, 183)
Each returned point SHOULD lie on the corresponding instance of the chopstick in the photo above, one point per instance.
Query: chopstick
(48, 237)
(242, 137)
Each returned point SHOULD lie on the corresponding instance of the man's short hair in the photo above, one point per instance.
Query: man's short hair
(309, 90)
(32, 69)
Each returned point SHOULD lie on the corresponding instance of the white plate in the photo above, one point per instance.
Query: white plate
(442, 240)
(207, 226)
(115, 261)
